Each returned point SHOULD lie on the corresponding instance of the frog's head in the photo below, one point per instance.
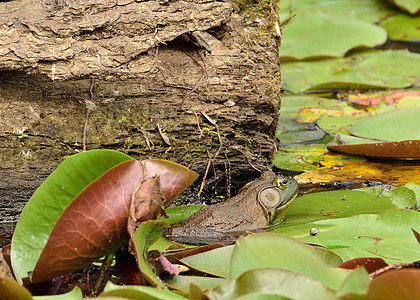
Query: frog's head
(276, 199)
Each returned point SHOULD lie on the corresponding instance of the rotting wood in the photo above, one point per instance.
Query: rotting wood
(141, 73)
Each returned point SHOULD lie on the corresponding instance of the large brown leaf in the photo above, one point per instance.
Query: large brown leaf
(174, 178)
(146, 203)
(408, 149)
(93, 224)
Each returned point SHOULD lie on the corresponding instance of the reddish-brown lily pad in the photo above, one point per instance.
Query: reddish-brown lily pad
(93, 224)
(408, 149)
(174, 178)
(401, 284)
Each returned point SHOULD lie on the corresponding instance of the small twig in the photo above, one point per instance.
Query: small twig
(85, 130)
(227, 170)
(102, 274)
(203, 182)
(207, 74)
(201, 79)
(247, 158)
(87, 114)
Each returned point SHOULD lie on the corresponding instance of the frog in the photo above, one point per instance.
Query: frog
(259, 205)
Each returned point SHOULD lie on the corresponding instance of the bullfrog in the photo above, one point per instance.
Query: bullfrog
(259, 205)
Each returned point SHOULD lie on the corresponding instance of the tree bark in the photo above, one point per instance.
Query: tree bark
(171, 67)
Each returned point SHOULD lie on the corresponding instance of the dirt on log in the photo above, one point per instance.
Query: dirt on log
(172, 68)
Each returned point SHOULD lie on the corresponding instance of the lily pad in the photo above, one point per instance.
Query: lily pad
(362, 10)
(374, 69)
(396, 125)
(308, 157)
(49, 201)
(402, 27)
(398, 284)
(214, 262)
(394, 174)
(147, 234)
(271, 283)
(258, 251)
(411, 6)
(326, 37)
(137, 292)
(386, 235)
(357, 283)
(409, 149)
(182, 283)
(179, 213)
(75, 293)
(344, 203)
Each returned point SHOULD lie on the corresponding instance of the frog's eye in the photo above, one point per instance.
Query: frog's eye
(281, 182)
(270, 198)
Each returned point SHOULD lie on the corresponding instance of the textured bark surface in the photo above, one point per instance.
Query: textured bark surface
(145, 58)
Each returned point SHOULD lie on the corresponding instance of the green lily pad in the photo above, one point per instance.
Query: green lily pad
(402, 27)
(75, 293)
(345, 203)
(335, 125)
(374, 69)
(182, 283)
(145, 236)
(214, 262)
(295, 137)
(44, 207)
(357, 283)
(270, 250)
(179, 213)
(397, 125)
(137, 292)
(308, 157)
(362, 10)
(320, 37)
(386, 235)
(271, 283)
(411, 6)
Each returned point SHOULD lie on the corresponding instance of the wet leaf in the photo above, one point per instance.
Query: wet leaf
(257, 251)
(344, 203)
(402, 27)
(174, 178)
(11, 290)
(214, 262)
(271, 282)
(92, 225)
(373, 69)
(147, 234)
(49, 201)
(398, 284)
(386, 235)
(411, 6)
(318, 36)
(182, 283)
(397, 125)
(394, 174)
(408, 149)
(146, 203)
(138, 292)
